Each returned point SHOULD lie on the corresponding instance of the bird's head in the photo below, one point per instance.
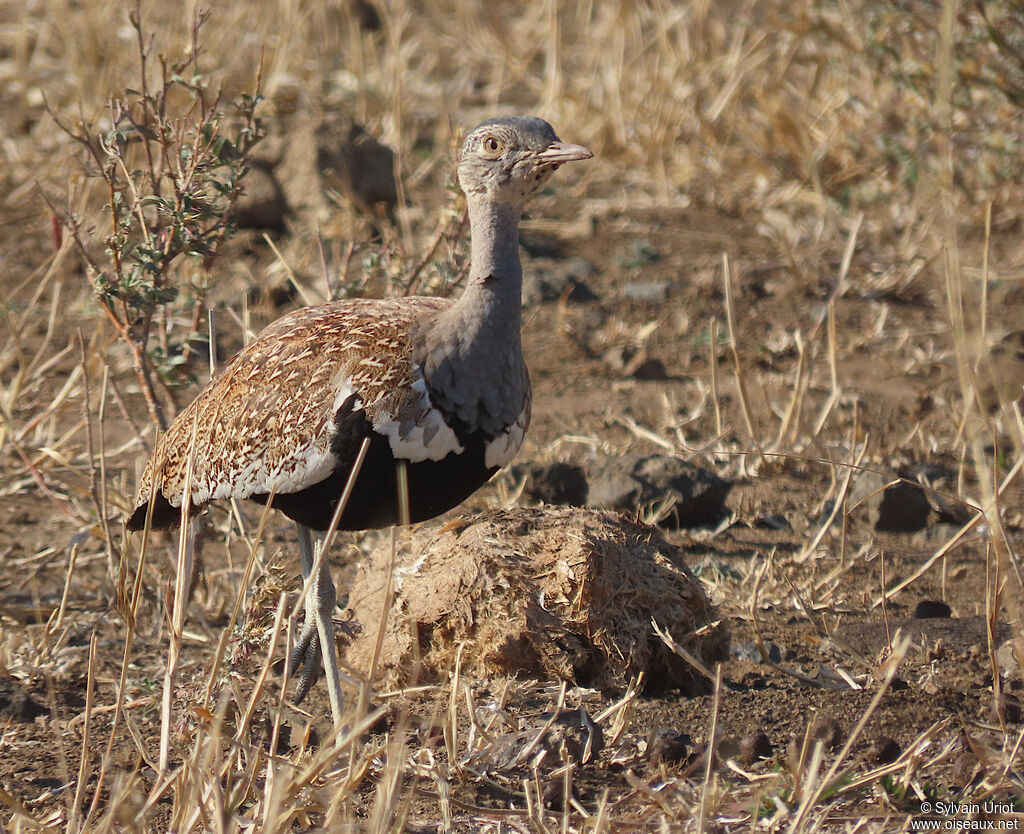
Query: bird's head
(507, 160)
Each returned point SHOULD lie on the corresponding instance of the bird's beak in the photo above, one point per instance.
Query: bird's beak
(563, 152)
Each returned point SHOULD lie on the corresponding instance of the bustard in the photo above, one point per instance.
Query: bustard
(437, 384)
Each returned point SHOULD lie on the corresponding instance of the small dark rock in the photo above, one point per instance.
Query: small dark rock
(932, 609)
(753, 748)
(898, 685)
(17, 704)
(635, 363)
(1009, 707)
(883, 750)
(750, 653)
(826, 729)
(554, 483)
(670, 747)
(901, 507)
(550, 280)
(629, 483)
(965, 769)
(572, 735)
(367, 15)
(650, 369)
(262, 204)
(353, 162)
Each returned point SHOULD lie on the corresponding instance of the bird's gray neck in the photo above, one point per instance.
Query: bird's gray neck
(493, 294)
(471, 354)
(494, 255)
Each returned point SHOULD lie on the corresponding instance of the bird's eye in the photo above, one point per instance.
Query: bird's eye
(492, 146)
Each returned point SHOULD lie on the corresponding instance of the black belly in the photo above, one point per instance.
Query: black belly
(434, 486)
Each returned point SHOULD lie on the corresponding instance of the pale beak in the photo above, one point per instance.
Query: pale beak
(558, 152)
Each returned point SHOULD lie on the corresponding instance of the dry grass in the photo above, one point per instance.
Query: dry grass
(831, 144)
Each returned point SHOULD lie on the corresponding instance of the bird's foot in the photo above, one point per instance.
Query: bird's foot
(307, 657)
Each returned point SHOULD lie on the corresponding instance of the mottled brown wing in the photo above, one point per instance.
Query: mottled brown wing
(264, 423)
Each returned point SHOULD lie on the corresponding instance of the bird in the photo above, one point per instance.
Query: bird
(433, 386)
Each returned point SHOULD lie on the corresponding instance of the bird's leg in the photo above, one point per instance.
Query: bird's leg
(306, 655)
(316, 649)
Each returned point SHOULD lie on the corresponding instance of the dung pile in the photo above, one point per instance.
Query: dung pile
(560, 593)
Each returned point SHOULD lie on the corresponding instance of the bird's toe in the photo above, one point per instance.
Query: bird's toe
(307, 660)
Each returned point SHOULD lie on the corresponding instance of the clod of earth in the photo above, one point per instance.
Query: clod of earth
(749, 652)
(353, 162)
(547, 741)
(548, 593)
(16, 704)
(754, 747)
(554, 483)
(678, 492)
(548, 280)
(670, 747)
(883, 750)
(900, 507)
(262, 205)
(689, 495)
(932, 609)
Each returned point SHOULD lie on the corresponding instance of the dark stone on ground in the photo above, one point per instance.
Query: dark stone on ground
(554, 483)
(354, 163)
(826, 729)
(367, 15)
(932, 609)
(262, 204)
(1009, 707)
(632, 482)
(572, 735)
(749, 652)
(753, 748)
(883, 750)
(550, 280)
(670, 747)
(16, 704)
(900, 508)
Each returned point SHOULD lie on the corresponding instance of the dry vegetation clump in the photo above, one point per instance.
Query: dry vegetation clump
(562, 594)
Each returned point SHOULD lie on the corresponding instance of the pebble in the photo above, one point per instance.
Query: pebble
(754, 747)
(670, 747)
(883, 750)
(932, 609)
(749, 652)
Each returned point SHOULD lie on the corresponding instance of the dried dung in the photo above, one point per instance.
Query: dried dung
(545, 593)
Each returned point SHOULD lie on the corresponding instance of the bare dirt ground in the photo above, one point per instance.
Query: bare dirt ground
(768, 224)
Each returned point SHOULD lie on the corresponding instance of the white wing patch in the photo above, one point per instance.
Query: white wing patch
(428, 438)
(345, 390)
(503, 448)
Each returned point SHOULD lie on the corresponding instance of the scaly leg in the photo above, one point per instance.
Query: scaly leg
(315, 649)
